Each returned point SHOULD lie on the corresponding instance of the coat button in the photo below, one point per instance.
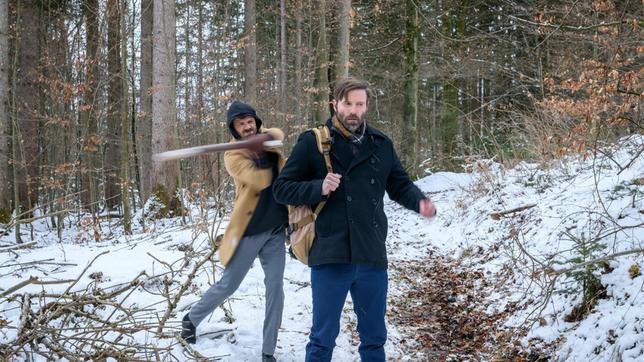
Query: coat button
(373, 201)
(257, 194)
(372, 160)
(249, 213)
(349, 198)
(372, 181)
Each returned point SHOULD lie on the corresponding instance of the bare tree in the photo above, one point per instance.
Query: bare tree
(282, 75)
(5, 189)
(27, 105)
(165, 175)
(88, 122)
(125, 126)
(410, 111)
(343, 41)
(321, 68)
(250, 52)
(144, 120)
(111, 165)
(299, 19)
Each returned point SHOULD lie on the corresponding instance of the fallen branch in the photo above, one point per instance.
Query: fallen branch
(498, 215)
(18, 246)
(18, 220)
(38, 262)
(33, 280)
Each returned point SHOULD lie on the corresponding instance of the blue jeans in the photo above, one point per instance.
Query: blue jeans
(368, 287)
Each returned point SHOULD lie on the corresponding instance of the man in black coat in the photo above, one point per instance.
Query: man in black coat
(349, 254)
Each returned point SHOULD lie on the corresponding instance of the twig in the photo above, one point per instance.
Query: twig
(594, 261)
(569, 27)
(172, 304)
(84, 270)
(198, 356)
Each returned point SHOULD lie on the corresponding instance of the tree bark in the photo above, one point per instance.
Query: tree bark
(5, 119)
(27, 104)
(282, 76)
(299, 18)
(250, 52)
(111, 165)
(165, 175)
(144, 120)
(125, 126)
(89, 138)
(344, 30)
(410, 110)
(321, 68)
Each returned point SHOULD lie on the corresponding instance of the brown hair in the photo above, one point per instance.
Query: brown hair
(345, 85)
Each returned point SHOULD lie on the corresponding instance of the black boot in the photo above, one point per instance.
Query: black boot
(268, 358)
(188, 330)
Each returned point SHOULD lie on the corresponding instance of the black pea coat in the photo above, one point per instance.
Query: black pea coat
(352, 227)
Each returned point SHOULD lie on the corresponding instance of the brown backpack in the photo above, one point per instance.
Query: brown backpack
(301, 219)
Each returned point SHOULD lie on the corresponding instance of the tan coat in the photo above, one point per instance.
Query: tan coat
(249, 182)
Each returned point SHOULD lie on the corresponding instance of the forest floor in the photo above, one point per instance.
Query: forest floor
(442, 313)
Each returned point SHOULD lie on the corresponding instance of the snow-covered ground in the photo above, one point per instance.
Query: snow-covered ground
(596, 204)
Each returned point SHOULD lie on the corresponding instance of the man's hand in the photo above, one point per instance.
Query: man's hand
(426, 208)
(330, 183)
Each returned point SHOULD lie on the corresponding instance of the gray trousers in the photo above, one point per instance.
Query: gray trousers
(269, 246)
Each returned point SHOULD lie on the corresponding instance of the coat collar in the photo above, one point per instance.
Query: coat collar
(373, 139)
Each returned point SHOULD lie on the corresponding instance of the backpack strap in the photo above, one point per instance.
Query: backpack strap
(323, 140)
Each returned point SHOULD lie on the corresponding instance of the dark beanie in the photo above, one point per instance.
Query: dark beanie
(239, 109)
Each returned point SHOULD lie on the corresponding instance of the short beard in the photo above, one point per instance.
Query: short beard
(350, 127)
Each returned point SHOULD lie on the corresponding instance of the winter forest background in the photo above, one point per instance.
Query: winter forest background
(90, 89)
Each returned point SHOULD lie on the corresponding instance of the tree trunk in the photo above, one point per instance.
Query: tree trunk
(89, 139)
(27, 105)
(342, 53)
(250, 53)
(58, 130)
(321, 82)
(165, 175)
(125, 126)
(449, 127)
(5, 119)
(190, 168)
(112, 164)
(299, 18)
(410, 110)
(282, 76)
(144, 120)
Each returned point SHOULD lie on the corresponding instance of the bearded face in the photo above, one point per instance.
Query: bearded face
(351, 109)
(245, 126)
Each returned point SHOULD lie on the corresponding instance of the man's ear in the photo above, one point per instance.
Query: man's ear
(335, 105)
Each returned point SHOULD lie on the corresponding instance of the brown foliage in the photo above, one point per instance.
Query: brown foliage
(445, 313)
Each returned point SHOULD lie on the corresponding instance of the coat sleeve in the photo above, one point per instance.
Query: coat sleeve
(296, 184)
(400, 188)
(242, 168)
